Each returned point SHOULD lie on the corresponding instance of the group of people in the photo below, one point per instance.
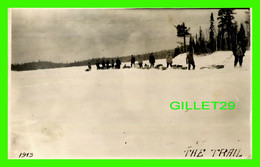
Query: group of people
(189, 60)
(106, 64)
(140, 61)
(238, 52)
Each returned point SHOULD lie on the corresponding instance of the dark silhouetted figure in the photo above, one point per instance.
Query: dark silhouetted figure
(140, 61)
(103, 64)
(239, 49)
(169, 60)
(189, 58)
(89, 66)
(98, 64)
(132, 60)
(112, 63)
(239, 55)
(151, 60)
(107, 64)
(118, 63)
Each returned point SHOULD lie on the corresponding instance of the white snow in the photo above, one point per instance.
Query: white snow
(70, 113)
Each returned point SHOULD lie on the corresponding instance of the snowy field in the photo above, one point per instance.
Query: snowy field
(70, 113)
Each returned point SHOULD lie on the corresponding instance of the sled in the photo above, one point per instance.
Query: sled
(214, 66)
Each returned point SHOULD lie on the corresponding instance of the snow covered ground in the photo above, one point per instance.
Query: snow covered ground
(70, 113)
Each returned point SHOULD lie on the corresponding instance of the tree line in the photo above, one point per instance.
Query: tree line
(226, 36)
(48, 64)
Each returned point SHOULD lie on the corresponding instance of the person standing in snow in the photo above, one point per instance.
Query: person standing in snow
(107, 64)
(132, 60)
(112, 63)
(151, 60)
(140, 61)
(98, 64)
(89, 65)
(239, 55)
(189, 58)
(118, 63)
(103, 63)
(169, 60)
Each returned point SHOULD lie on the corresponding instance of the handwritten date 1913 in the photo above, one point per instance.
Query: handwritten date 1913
(25, 155)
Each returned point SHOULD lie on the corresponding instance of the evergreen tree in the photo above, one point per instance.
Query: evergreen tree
(225, 17)
(247, 22)
(241, 38)
(212, 42)
(182, 31)
(192, 43)
(219, 40)
(196, 45)
(202, 44)
(201, 38)
(234, 36)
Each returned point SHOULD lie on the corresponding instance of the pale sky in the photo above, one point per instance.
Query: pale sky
(67, 35)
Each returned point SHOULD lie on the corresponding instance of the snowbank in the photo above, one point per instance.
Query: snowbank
(70, 113)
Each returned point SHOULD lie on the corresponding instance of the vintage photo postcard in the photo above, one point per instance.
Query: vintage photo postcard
(130, 83)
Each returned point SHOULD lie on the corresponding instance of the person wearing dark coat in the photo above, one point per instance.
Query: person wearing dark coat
(112, 63)
(103, 64)
(132, 60)
(89, 65)
(169, 60)
(98, 64)
(140, 61)
(189, 58)
(239, 55)
(151, 60)
(107, 64)
(118, 63)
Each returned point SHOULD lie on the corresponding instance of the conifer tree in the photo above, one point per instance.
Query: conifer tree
(247, 22)
(241, 38)
(225, 17)
(183, 31)
(212, 42)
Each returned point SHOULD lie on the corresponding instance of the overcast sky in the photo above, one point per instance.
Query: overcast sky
(66, 35)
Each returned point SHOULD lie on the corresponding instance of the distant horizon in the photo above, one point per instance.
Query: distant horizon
(93, 58)
(69, 35)
(71, 62)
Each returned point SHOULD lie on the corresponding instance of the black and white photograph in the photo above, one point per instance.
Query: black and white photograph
(130, 83)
